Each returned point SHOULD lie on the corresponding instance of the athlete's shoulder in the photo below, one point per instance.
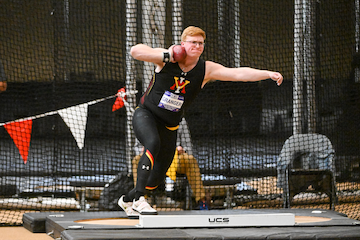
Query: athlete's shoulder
(210, 65)
(211, 68)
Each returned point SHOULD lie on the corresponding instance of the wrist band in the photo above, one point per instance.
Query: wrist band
(166, 57)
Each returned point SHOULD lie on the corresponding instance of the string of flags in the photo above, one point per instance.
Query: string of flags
(75, 117)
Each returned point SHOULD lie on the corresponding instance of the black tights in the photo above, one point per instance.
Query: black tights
(159, 148)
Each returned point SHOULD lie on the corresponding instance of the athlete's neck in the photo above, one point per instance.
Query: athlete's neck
(188, 64)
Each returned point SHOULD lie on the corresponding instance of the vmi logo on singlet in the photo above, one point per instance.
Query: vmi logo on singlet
(172, 101)
(180, 83)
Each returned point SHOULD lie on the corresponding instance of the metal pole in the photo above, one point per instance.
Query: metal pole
(357, 37)
(66, 39)
(177, 24)
(298, 67)
(310, 62)
(153, 26)
(237, 61)
(131, 15)
(304, 65)
(222, 31)
(357, 23)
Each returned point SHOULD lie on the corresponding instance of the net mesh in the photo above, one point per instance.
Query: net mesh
(64, 62)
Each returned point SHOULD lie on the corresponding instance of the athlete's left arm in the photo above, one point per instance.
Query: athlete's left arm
(215, 71)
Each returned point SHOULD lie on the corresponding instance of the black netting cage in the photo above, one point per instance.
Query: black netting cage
(69, 88)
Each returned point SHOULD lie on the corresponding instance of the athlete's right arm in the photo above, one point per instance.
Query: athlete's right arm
(145, 53)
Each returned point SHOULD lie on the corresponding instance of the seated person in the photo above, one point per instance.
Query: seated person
(183, 163)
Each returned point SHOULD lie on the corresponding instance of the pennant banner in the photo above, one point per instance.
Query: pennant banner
(121, 100)
(20, 132)
(119, 103)
(75, 118)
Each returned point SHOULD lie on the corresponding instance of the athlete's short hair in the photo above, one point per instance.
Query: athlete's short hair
(192, 31)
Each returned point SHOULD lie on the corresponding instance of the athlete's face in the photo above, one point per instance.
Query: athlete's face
(194, 45)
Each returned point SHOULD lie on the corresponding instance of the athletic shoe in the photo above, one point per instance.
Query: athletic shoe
(142, 207)
(127, 207)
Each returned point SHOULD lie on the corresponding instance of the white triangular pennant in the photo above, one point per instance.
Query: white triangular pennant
(75, 118)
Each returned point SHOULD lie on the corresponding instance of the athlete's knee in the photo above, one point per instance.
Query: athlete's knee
(153, 145)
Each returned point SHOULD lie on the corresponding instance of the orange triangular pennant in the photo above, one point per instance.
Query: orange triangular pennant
(119, 103)
(20, 133)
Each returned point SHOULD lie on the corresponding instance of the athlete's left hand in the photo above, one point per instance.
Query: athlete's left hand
(277, 77)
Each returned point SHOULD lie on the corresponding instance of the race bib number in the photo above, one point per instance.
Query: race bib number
(171, 102)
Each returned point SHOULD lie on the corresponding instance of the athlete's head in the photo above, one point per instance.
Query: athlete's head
(192, 31)
(192, 39)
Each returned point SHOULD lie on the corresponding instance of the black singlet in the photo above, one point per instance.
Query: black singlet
(171, 91)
